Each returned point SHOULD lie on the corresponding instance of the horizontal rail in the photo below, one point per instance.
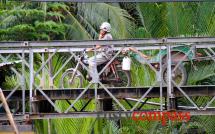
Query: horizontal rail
(67, 49)
(83, 44)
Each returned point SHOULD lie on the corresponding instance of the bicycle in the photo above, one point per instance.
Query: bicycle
(113, 75)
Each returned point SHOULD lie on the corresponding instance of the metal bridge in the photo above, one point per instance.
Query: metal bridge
(36, 93)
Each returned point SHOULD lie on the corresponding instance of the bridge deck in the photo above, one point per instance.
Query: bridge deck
(130, 92)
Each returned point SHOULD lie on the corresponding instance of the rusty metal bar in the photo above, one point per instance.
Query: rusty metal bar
(8, 113)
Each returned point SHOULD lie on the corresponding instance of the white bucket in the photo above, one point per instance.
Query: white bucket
(126, 63)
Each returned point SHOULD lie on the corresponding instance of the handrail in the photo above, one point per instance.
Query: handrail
(121, 42)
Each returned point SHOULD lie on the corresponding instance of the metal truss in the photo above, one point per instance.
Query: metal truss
(38, 81)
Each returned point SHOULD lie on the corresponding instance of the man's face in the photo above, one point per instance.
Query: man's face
(102, 31)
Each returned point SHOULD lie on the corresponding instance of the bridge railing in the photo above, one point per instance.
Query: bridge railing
(38, 66)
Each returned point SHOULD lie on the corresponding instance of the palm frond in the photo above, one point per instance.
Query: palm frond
(120, 20)
(202, 72)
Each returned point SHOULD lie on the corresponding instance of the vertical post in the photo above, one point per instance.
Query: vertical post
(8, 113)
(160, 80)
(95, 79)
(170, 92)
(49, 126)
(50, 72)
(31, 79)
(96, 97)
(23, 81)
(42, 82)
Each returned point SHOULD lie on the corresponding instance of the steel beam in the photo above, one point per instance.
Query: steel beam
(83, 44)
(21, 128)
(127, 92)
(101, 114)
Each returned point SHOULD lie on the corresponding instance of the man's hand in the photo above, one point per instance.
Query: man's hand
(133, 49)
(138, 52)
(199, 54)
(89, 49)
(125, 50)
(95, 48)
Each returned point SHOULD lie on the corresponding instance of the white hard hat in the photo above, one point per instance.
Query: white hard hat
(105, 26)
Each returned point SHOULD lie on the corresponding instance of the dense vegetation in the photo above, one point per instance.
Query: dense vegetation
(80, 21)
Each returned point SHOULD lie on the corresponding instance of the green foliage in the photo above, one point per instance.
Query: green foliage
(120, 20)
(11, 82)
(50, 29)
(203, 74)
(110, 128)
(26, 32)
(34, 24)
(176, 19)
(41, 126)
(146, 75)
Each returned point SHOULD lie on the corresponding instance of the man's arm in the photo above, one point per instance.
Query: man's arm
(138, 52)
(91, 49)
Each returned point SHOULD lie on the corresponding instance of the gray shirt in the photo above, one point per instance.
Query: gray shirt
(107, 49)
(107, 36)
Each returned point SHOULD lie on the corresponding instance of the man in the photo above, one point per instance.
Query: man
(105, 52)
